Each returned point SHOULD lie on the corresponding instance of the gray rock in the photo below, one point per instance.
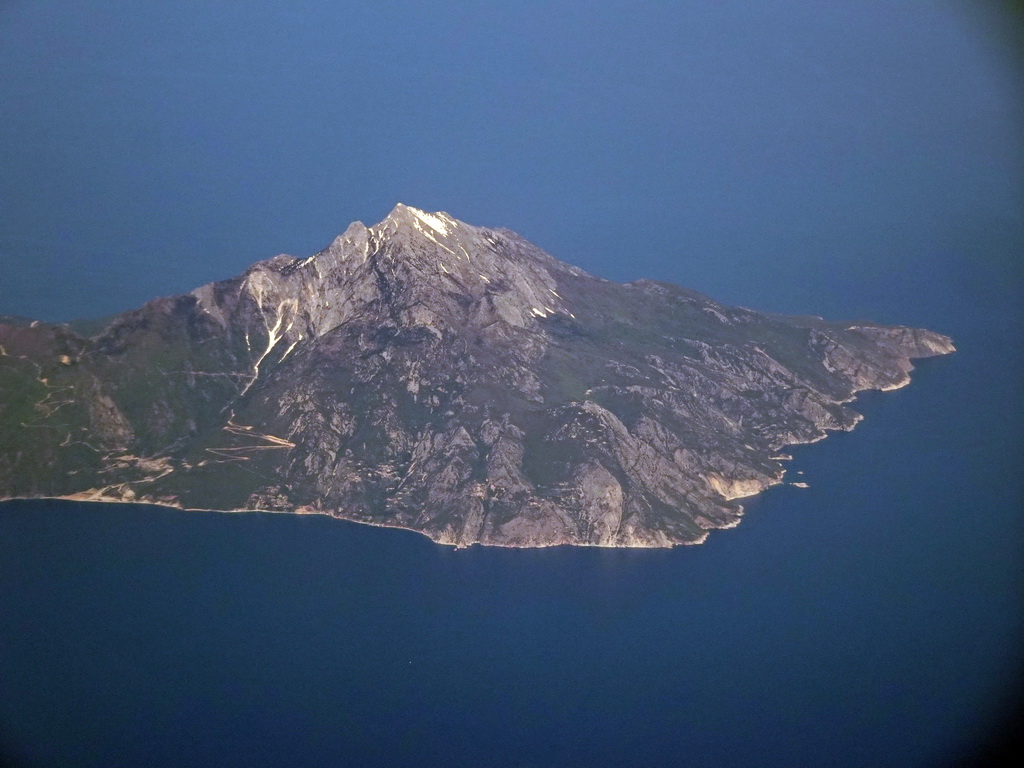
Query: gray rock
(428, 374)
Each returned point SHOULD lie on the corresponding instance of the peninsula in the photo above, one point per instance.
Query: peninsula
(427, 374)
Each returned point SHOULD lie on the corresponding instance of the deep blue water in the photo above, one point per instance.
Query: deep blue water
(871, 620)
(857, 161)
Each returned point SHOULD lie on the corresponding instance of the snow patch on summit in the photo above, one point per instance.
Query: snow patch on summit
(434, 222)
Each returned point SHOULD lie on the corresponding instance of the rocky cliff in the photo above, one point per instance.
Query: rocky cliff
(428, 374)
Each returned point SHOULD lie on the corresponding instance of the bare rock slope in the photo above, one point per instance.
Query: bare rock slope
(428, 374)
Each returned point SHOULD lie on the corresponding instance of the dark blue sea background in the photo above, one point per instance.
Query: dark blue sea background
(873, 619)
(806, 157)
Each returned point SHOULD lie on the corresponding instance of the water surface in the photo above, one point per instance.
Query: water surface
(872, 619)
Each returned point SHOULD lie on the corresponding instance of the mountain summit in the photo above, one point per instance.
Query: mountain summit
(428, 374)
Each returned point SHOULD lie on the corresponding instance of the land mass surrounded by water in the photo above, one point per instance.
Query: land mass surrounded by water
(427, 374)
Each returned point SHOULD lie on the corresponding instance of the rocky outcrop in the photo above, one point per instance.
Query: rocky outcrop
(428, 374)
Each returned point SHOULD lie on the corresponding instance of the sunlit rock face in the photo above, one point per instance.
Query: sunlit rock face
(428, 374)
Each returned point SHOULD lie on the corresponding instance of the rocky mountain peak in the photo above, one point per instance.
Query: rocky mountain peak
(437, 223)
(416, 231)
(433, 269)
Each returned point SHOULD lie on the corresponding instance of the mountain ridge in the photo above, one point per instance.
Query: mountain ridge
(425, 373)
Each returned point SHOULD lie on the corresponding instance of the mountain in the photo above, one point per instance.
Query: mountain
(427, 374)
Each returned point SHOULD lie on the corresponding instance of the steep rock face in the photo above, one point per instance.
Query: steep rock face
(428, 374)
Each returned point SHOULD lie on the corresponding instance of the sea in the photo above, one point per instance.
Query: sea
(872, 619)
(853, 160)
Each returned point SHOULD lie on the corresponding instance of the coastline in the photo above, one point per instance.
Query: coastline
(97, 496)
